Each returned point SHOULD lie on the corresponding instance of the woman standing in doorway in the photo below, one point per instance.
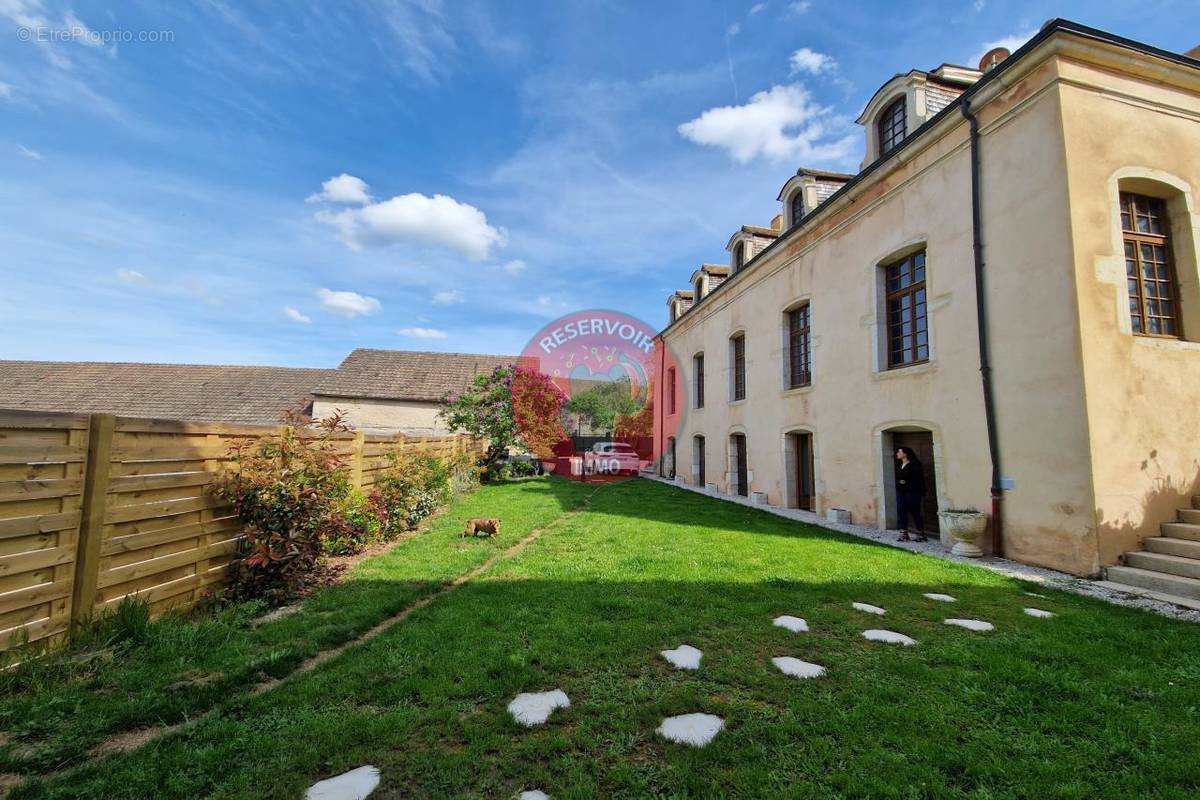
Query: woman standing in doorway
(910, 494)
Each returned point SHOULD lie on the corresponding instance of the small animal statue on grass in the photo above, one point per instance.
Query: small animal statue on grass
(481, 527)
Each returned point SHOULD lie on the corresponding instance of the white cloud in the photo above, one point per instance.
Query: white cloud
(6, 90)
(131, 276)
(448, 297)
(422, 333)
(342, 189)
(515, 267)
(347, 304)
(1008, 43)
(437, 220)
(29, 153)
(979, 4)
(780, 124)
(805, 60)
(757, 7)
(734, 29)
(295, 316)
(800, 7)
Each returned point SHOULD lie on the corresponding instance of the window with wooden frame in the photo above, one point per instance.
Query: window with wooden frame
(1153, 290)
(698, 380)
(891, 125)
(797, 207)
(799, 349)
(737, 358)
(671, 390)
(907, 313)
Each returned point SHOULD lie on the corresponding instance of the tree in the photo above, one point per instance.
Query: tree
(537, 407)
(509, 406)
(604, 403)
(485, 411)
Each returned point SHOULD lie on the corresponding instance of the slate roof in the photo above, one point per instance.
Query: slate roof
(190, 392)
(406, 374)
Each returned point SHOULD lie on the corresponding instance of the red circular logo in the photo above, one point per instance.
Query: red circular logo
(608, 365)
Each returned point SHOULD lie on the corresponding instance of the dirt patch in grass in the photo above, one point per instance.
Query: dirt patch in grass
(194, 679)
(129, 740)
(9, 780)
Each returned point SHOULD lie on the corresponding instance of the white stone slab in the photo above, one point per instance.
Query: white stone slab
(891, 637)
(793, 624)
(683, 657)
(534, 708)
(941, 598)
(353, 785)
(797, 668)
(1037, 612)
(535, 794)
(1035, 594)
(694, 729)
(971, 624)
(868, 608)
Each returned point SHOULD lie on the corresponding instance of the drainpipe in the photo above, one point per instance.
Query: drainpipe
(985, 368)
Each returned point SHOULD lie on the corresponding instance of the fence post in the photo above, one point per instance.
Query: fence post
(356, 460)
(91, 524)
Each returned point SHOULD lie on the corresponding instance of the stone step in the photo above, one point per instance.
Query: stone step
(1190, 515)
(1172, 547)
(1181, 530)
(1162, 562)
(1173, 599)
(1154, 581)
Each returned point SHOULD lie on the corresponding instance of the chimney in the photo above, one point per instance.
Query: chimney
(777, 222)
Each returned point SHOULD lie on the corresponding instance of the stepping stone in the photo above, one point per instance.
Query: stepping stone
(868, 608)
(941, 598)
(793, 624)
(683, 657)
(694, 729)
(534, 708)
(535, 794)
(891, 637)
(353, 785)
(971, 624)
(797, 668)
(1035, 594)
(1037, 612)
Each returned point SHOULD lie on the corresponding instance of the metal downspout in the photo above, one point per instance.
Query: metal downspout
(985, 368)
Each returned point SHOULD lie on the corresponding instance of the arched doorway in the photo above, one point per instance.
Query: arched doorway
(921, 441)
(799, 469)
(739, 470)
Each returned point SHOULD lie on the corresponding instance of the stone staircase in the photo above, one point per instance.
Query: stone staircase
(1169, 565)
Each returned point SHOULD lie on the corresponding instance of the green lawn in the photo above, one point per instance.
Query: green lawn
(1098, 701)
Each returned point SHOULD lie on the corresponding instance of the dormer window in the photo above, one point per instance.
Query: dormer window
(796, 207)
(738, 258)
(699, 288)
(891, 124)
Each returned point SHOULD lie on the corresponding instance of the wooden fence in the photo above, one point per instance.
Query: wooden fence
(94, 508)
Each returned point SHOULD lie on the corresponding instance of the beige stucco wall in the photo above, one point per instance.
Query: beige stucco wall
(923, 198)
(1143, 394)
(384, 415)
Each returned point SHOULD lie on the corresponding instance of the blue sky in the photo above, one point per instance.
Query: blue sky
(493, 165)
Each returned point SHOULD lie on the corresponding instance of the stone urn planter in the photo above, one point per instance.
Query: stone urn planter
(966, 529)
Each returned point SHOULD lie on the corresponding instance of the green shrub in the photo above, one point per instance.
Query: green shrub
(356, 526)
(288, 488)
(523, 469)
(411, 488)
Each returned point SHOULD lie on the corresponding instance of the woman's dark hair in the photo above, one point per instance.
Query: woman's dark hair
(912, 456)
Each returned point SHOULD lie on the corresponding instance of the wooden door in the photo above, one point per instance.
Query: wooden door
(698, 443)
(922, 444)
(805, 483)
(743, 479)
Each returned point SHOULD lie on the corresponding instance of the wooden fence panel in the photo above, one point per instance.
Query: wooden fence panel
(96, 508)
(41, 486)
